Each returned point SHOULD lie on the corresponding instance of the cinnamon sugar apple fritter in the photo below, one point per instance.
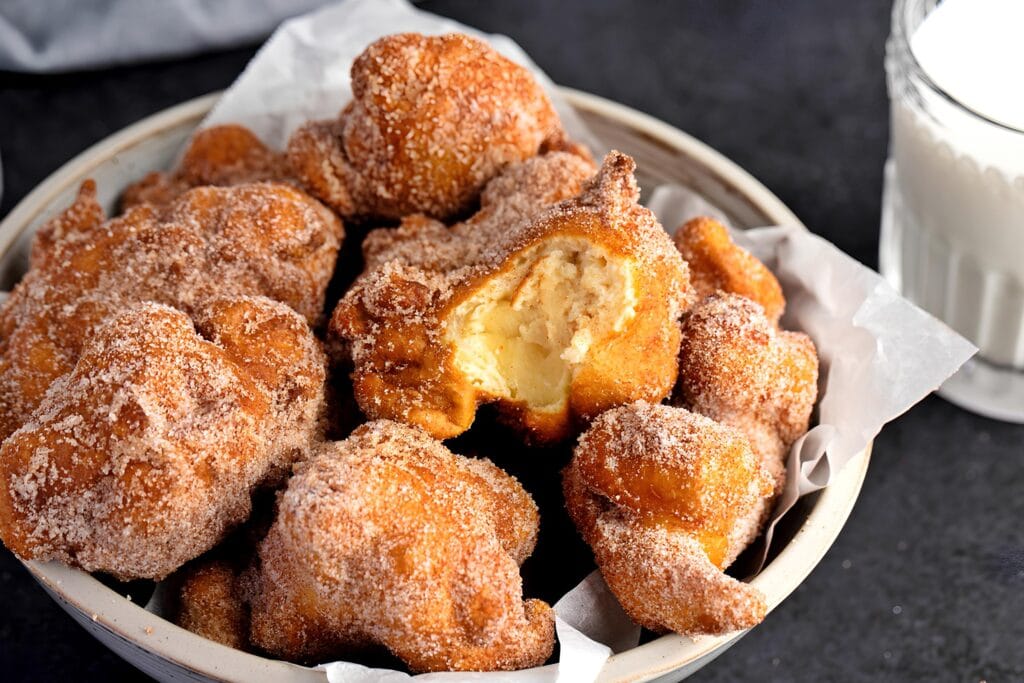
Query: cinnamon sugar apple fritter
(739, 369)
(389, 538)
(221, 156)
(147, 452)
(254, 239)
(432, 120)
(667, 499)
(558, 300)
(719, 264)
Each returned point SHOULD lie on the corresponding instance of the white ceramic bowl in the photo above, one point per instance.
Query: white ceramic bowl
(663, 154)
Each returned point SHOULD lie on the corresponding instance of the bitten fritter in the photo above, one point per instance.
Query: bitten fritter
(433, 118)
(737, 368)
(146, 454)
(223, 155)
(389, 538)
(665, 498)
(719, 264)
(261, 239)
(553, 311)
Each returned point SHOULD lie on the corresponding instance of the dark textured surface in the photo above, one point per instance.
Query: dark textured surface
(926, 582)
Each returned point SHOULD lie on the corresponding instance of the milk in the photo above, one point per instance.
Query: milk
(974, 50)
(953, 205)
(953, 224)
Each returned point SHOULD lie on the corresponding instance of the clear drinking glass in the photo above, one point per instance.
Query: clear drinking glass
(952, 236)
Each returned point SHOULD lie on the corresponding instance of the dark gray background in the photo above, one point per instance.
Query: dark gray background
(926, 581)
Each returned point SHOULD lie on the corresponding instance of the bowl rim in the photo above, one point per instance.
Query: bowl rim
(122, 619)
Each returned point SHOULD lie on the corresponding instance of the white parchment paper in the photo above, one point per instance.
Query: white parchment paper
(879, 353)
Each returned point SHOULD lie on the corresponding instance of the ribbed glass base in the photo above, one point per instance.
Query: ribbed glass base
(938, 280)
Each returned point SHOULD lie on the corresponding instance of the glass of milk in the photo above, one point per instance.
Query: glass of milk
(953, 206)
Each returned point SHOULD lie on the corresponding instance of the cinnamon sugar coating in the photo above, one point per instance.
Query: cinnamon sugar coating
(146, 453)
(260, 239)
(224, 155)
(719, 264)
(664, 498)
(74, 223)
(558, 300)
(432, 119)
(209, 603)
(737, 368)
(388, 537)
(206, 596)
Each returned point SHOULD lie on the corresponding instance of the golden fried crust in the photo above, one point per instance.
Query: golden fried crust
(576, 288)
(737, 368)
(389, 538)
(146, 454)
(264, 239)
(222, 155)
(718, 264)
(433, 118)
(664, 497)
(209, 603)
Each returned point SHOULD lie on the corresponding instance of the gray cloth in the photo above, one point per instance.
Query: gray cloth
(62, 35)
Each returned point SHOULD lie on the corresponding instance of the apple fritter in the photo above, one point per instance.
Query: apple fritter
(259, 239)
(719, 264)
(559, 299)
(667, 499)
(432, 119)
(389, 538)
(739, 369)
(224, 155)
(208, 602)
(146, 454)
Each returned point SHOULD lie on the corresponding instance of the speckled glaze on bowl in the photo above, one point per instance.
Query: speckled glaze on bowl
(663, 154)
